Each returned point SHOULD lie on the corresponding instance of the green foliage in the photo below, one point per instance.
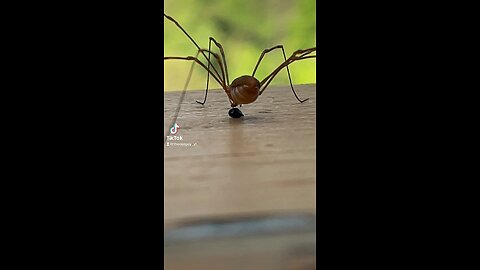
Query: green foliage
(245, 28)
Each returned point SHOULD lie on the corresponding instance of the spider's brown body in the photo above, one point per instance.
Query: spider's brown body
(243, 90)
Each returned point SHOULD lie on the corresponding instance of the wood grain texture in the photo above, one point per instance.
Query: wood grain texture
(263, 162)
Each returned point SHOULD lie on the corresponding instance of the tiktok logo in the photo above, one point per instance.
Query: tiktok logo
(174, 129)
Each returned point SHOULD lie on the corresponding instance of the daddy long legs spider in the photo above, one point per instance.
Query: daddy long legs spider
(244, 89)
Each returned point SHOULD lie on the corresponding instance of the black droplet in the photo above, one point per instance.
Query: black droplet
(235, 113)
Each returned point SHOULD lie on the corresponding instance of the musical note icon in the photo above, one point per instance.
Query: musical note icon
(174, 129)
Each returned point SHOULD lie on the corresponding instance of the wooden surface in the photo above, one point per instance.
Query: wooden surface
(226, 172)
(263, 162)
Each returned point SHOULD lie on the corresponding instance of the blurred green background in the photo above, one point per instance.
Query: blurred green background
(245, 28)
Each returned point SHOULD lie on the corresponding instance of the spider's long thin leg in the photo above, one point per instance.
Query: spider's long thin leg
(297, 55)
(219, 61)
(223, 67)
(286, 63)
(196, 45)
(191, 58)
(188, 81)
(262, 55)
(222, 52)
(208, 78)
(288, 70)
(182, 96)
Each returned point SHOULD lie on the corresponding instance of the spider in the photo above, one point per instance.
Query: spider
(244, 89)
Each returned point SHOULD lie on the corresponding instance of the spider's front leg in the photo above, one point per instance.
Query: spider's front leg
(222, 63)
